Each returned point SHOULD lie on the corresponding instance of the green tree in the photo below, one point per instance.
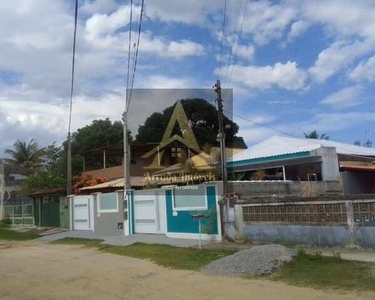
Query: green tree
(368, 143)
(204, 123)
(53, 158)
(100, 133)
(52, 174)
(24, 154)
(314, 135)
(43, 180)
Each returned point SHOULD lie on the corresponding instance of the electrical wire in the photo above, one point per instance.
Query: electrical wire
(237, 18)
(129, 48)
(69, 150)
(222, 38)
(73, 67)
(238, 42)
(136, 54)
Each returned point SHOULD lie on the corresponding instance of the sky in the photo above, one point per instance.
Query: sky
(295, 67)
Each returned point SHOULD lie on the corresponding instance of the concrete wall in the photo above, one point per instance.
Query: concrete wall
(330, 165)
(250, 189)
(326, 236)
(107, 223)
(298, 234)
(365, 236)
(353, 233)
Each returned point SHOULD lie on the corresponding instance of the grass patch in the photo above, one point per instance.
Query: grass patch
(169, 256)
(163, 255)
(11, 235)
(322, 272)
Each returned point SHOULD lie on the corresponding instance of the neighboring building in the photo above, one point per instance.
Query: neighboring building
(11, 181)
(164, 161)
(173, 212)
(285, 158)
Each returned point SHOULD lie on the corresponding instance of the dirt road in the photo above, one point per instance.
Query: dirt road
(37, 271)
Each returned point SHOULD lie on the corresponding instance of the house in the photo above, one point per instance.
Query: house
(188, 194)
(152, 170)
(150, 208)
(11, 180)
(169, 211)
(294, 159)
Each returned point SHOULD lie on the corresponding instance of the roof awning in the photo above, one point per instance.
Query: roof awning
(357, 166)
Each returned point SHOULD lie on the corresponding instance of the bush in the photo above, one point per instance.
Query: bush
(5, 223)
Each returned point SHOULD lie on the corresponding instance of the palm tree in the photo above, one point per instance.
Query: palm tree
(25, 155)
(314, 135)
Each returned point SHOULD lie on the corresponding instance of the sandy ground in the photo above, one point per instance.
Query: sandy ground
(31, 270)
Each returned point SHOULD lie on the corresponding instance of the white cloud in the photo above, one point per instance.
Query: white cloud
(345, 18)
(102, 31)
(164, 82)
(297, 29)
(266, 22)
(107, 24)
(254, 128)
(329, 122)
(35, 53)
(99, 6)
(286, 76)
(337, 56)
(183, 48)
(190, 12)
(344, 98)
(364, 71)
(246, 52)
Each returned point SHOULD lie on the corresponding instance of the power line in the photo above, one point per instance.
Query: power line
(136, 54)
(69, 158)
(237, 18)
(238, 42)
(129, 48)
(73, 65)
(222, 38)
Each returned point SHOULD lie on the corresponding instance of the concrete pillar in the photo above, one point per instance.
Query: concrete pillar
(71, 211)
(352, 228)
(2, 191)
(238, 215)
(330, 163)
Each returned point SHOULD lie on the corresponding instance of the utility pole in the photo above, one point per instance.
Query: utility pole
(221, 137)
(69, 154)
(69, 170)
(126, 156)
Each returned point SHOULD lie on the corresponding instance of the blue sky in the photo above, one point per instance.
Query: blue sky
(300, 65)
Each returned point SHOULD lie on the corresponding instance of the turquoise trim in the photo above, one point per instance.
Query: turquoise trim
(131, 212)
(267, 159)
(183, 223)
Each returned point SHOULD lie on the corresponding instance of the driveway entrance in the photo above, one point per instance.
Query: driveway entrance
(149, 211)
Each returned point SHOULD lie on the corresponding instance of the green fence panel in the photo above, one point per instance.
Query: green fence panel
(51, 214)
(36, 210)
(20, 214)
(64, 213)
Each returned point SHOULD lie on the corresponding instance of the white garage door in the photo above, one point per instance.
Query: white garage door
(149, 212)
(82, 208)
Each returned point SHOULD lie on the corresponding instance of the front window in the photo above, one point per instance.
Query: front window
(185, 199)
(108, 203)
(175, 154)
